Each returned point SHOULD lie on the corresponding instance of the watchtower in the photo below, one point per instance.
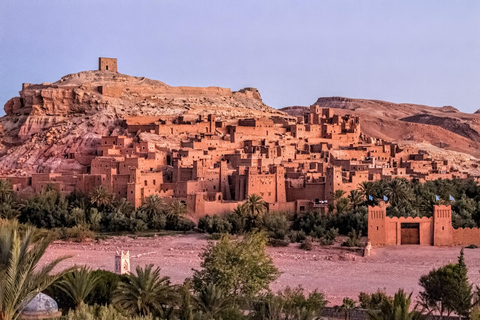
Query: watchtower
(377, 233)
(442, 229)
(122, 262)
(107, 64)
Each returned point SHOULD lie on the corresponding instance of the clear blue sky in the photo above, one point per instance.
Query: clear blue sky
(425, 51)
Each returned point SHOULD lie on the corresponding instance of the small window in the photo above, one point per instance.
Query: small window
(145, 182)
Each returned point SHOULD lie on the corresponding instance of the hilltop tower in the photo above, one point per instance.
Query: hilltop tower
(107, 64)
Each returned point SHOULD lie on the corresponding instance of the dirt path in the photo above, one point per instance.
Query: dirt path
(335, 272)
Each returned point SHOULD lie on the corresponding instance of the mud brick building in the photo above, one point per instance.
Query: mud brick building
(436, 230)
(293, 164)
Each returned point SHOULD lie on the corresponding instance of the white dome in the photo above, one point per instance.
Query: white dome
(41, 306)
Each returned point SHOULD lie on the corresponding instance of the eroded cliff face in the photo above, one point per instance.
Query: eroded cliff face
(47, 123)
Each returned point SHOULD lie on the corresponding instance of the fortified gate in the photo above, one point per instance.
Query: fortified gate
(436, 230)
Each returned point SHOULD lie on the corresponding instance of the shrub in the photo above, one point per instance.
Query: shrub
(353, 239)
(214, 224)
(215, 236)
(276, 225)
(181, 224)
(77, 233)
(103, 292)
(329, 237)
(373, 301)
(472, 246)
(278, 242)
(306, 244)
(297, 236)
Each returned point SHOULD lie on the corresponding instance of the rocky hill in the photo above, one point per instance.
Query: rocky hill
(444, 131)
(50, 121)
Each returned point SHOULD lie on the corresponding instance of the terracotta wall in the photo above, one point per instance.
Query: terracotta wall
(466, 236)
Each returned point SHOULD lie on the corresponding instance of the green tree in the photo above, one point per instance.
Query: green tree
(348, 305)
(211, 301)
(48, 209)
(186, 310)
(356, 198)
(397, 308)
(9, 207)
(373, 301)
(101, 197)
(296, 305)
(447, 289)
(462, 301)
(240, 268)
(6, 190)
(254, 208)
(146, 293)
(438, 290)
(399, 192)
(21, 277)
(78, 284)
(176, 209)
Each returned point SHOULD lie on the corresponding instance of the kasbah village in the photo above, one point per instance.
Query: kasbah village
(295, 164)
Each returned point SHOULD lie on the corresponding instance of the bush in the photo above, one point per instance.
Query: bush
(297, 236)
(372, 301)
(214, 224)
(215, 236)
(306, 244)
(180, 224)
(278, 242)
(329, 237)
(77, 233)
(353, 239)
(276, 225)
(103, 292)
(472, 246)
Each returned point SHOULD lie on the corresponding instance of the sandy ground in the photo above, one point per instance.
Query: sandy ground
(336, 272)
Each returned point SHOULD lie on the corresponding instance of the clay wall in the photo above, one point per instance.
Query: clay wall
(282, 207)
(311, 191)
(466, 236)
(120, 182)
(114, 91)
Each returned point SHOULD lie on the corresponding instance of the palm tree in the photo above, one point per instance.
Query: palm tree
(211, 301)
(8, 207)
(153, 206)
(255, 206)
(21, 278)
(5, 189)
(338, 194)
(347, 307)
(78, 284)
(145, 293)
(397, 309)
(176, 209)
(398, 192)
(367, 188)
(356, 198)
(101, 197)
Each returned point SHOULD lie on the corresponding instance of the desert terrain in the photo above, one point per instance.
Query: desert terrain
(336, 272)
